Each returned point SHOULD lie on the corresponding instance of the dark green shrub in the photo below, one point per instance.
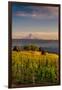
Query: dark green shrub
(16, 48)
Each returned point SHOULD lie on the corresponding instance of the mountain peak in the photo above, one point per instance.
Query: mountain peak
(30, 36)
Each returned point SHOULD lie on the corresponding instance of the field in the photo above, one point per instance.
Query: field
(33, 67)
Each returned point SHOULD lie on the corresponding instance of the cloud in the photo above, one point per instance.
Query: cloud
(38, 11)
(35, 35)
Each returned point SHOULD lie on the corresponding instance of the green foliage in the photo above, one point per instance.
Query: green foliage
(31, 47)
(16, 48)
(32, 67)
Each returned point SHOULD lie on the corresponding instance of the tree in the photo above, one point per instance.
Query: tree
(16, 48)
(31, 47)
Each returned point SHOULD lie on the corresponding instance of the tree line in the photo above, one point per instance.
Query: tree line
(28, 48)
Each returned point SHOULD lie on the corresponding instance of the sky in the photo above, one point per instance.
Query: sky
(35, 22)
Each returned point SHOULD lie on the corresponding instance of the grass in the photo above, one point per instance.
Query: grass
(33, 67)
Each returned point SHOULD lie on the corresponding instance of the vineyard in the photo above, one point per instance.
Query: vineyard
(33, 67)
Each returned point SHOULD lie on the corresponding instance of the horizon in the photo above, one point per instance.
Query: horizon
(35, 39)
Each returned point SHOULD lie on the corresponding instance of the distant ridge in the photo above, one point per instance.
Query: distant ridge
(35, 39)
(30, 36)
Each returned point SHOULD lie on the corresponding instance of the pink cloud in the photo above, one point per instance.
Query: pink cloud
(36, 35)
